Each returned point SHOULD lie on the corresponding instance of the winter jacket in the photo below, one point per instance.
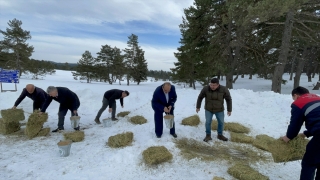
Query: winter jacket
(159, 101)
(305, 109)
(112, 95)
(38, 96)
(214, 100)
(66, 98)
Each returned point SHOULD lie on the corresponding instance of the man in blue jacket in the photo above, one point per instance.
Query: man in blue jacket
(38, 96)
(306, 109)
(68, 101)
(163, 101)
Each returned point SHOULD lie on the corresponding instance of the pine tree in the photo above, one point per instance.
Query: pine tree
(118, 69)
(140, 67)
(85, 67)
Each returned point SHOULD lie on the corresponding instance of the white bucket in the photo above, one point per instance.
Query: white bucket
(169, 120)
(75, 121)
(64, 148)
(107, 122)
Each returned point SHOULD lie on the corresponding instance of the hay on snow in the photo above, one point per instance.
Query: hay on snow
(156, 155)
(231, 126)
(120, 140)
(245, 172)
(10, 115)
(43, 132)
(138, 120)
(75, 136)
(35, 124)
(241, 138)
(191, 121)
(123, 114)
(8, 128)
(218, 178)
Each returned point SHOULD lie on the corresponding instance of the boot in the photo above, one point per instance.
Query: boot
(114, 119)
(97, 121)
(207, 138)
(222, 138)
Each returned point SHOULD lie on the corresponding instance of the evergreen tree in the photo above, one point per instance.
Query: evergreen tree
(85, 67)
(140, 67)
(118, 69)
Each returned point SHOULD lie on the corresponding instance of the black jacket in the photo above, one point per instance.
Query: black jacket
(112, 95)
(159, 100)
(39, 96)
(66, 98)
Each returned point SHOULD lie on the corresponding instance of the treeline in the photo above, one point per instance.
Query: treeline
(264, 37)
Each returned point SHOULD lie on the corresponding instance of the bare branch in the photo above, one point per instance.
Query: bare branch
(272, 23)
(311, 38)
(317, 22)
(308, 14)
(304, 25)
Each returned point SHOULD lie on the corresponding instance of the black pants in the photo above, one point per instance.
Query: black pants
(158, 122)
(311, 160)
(105, 104)
(62, 113)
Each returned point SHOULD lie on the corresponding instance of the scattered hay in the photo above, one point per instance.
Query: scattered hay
(191, 121)
(241, 138)
(156, 155)
(123, 114)
(120, 140)
(218, 178)
(245, 172)
(10, 115)
(138, 120)
(9, 128)
(263, 142)
(35, 124)
(231, 126)
(43, 132)
(191, 149)
(75, 136)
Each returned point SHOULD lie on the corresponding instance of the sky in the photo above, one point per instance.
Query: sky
(62, 30)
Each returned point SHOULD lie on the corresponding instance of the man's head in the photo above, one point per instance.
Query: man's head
(52, 91)
(30, 88)
(125, 94)
(214, 83)
(298, 91)
(166, 87)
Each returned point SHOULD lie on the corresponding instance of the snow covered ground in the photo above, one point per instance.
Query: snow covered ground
(254, 105)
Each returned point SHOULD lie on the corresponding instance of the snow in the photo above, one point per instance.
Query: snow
(254, 106)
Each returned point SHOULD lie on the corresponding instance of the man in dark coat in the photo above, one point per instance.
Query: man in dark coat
(163, 100)
(68, 101)
(306, 109)
(214, 95)
(109, 99)
(38, 96)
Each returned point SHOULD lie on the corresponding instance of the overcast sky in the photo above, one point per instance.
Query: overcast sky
(62, 30)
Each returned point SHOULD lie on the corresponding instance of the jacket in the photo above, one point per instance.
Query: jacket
(159, 101)
(112, 95)
(38, 95)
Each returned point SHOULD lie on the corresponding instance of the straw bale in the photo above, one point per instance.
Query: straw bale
(218, 178)
(35, 124)
(241, 138)
(263, 142)
(10, 115)
(156, 155)
(191, 121)
(230, 126)
(123, 114)
(245, 172)
(75, 136)
(8, 128)
(120, 140)
(43, 132)
(138, 120)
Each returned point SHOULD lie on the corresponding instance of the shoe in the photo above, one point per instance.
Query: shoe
(207, 138)
(222, 138)
(97, 121)
(114, 119)
(77, 128)
(174, 135)
(57, 130)
(158, 136)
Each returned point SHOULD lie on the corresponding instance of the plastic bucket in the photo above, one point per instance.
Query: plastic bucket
(169, 121)
(64, 148)
(107, 122)
(75, 121)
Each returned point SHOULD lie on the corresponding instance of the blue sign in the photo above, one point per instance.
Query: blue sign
(9, 76)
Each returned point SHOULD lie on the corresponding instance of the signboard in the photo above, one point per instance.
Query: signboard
(9, 76)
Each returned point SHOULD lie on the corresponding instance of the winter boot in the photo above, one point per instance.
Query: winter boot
(58, 130)
(114, 119)
(222, 138)
(97, 121)
(207, 138)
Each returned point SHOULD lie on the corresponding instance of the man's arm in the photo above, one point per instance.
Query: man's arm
(200, 98)
(121, 101)
(228, 99)
(296, 122)
(156, 102)
(21, 97)
(42, 96)
(46, 104)
(173, 99)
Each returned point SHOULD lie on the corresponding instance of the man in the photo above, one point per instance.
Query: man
(68, 101)
(163, 101)
(109, 99)
(38, 96)
(306, 109)
(214, 95)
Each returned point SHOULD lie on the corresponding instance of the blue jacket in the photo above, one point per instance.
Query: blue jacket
(39, 95)
(305, 109)
(159, 100)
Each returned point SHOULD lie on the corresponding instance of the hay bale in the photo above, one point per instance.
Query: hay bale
(191, 121)
(10, 115)
(241, 138)
(8, 128)
(138, 120)
(263, 142)
(218, 178)
(156, 155)
(75, 136)
(120, 140)
(245, 172)
(43, 132)
(35, 124)
(123, 114)
(230, 126)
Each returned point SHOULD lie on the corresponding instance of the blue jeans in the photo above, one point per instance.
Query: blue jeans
(220, 118)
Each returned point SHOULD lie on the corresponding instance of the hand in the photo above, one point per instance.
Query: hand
(122, 106)
(285, 139)
(229, 113)
(40, 113)
(302, 135)
(110, 110)
(75, 112)
(169, 108)
(197, 110)
(14, 107)
(166, 110)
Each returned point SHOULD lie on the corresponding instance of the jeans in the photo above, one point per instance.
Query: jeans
(311, 160)
(105, 104)
(220, 118)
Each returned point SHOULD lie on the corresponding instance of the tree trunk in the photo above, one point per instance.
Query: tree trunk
(250, 76)
(299, 69)
(292, 65)
(232, 59)
(283, 56)
(315, 70)
(221, 78)
(194, 85)
(242, 75)
(128, 79)
(317, 86)
(234, 80)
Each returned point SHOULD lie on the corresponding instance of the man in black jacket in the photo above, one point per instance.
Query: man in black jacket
(109, 99)
(68, 101)
(38, 96)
